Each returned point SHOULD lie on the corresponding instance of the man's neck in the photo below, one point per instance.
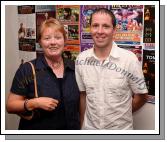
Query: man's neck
(102, 53)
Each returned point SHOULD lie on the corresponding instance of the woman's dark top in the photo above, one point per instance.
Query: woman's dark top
(65, 90)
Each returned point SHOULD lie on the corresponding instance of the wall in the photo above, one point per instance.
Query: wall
(143, 119)
(11, 58)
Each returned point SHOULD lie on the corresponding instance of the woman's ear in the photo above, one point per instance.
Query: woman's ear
(65, 41)
(39, 41)
(65, 44)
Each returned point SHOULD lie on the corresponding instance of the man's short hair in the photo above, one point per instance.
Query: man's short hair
(104, 10)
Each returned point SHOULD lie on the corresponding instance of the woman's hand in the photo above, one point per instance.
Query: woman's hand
(44, 103)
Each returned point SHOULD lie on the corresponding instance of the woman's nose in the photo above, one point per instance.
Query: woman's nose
(53, 41)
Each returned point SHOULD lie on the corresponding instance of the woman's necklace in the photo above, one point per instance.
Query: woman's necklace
(56, 65)
(58, 69)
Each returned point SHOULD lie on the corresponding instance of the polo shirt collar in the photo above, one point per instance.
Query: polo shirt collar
(114, 51)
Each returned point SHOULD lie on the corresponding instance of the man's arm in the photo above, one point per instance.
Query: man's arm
(82, 106)
(138, 101)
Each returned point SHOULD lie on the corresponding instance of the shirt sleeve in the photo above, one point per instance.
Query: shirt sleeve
(79, 75)
(137, 80)
(21, 80)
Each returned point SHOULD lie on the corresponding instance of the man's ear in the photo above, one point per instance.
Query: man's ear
(114, 30)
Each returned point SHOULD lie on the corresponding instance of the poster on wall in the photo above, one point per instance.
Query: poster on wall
(85, 46)
(42, 8)
(41, 17)
(137, 50)
(129, 30)
(149, 24)
(42, 13)
(85, 36)
(26, 9)
(149, 73)
(69, 16)
(129, 19)
(27, 28)
(71, 51)
(149, 46)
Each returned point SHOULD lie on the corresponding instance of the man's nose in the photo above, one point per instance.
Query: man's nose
(100, 29)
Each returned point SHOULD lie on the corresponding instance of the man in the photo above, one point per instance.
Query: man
(110, 79)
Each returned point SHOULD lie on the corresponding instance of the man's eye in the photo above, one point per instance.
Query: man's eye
(106, 26)
(95, 26)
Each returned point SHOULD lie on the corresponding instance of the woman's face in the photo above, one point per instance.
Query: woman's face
(52, 42)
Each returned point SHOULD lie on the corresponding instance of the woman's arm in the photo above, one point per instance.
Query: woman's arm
(16, 103)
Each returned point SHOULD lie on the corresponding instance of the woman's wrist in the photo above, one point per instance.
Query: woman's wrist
(30, 104)
(26, 105)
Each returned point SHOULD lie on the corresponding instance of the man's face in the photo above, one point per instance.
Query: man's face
(102, 30)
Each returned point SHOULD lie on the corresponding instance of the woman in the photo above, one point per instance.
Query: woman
(57, 89)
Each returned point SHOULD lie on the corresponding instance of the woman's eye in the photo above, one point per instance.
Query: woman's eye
(46, 38)
(58, 37)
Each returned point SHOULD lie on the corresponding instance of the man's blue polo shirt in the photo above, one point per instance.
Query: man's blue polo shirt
(66, 115)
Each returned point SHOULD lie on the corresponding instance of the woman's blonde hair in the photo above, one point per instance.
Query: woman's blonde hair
(54, 23)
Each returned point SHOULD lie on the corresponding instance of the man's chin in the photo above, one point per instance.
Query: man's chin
(100, 45)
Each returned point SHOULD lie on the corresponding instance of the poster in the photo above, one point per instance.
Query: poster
(135, 30)
(42, 8)
(71, 51)
(85, 12)
(85, 46)
(26, 28)
(149, 24)
(149, 46)
(69, 16)
(149, 73)
(137, 50)
(41, 17)
(26, 9)
(85, 36)
(129, 23)
(43, 12)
